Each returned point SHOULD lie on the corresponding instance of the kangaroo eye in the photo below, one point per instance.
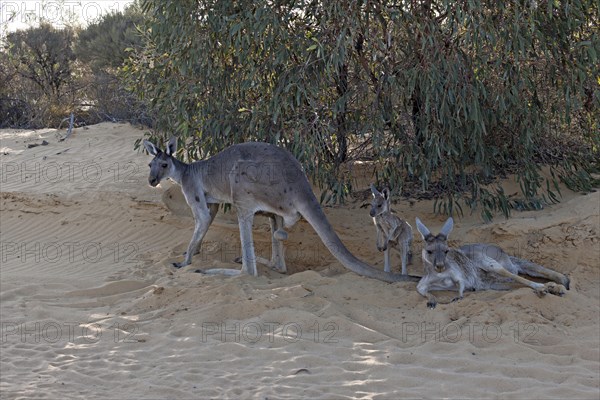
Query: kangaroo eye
(445, 251)
(429, 252)
(165, 165)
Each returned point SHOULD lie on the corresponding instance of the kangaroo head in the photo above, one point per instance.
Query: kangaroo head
(161, 166)
(436, 246)
(380, 202)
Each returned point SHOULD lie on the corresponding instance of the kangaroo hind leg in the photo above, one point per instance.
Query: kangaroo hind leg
(532, 269)
(405, 255)
(245, 220)
(491, 265)
(386, 260)
(278, 235)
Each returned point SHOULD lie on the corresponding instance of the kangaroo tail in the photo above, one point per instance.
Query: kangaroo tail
(312, 212)
(532, 269)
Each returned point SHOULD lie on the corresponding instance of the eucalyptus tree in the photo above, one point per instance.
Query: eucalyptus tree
(445, 95)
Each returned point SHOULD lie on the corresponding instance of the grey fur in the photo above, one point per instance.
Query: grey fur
(477, 266)
(253, 177)
(392, 231)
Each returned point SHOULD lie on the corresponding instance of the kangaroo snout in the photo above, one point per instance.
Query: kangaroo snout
(372, 213)
(153, 181)
(439, 264)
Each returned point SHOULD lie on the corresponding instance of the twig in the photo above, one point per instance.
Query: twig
(70, 130)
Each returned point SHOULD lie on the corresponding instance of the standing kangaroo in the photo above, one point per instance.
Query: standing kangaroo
(477, 267)
(254, 178)
(391, 229)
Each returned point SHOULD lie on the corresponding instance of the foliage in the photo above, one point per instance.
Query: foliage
(37, 65)
(47, 73)
(104, 45)
(443, 97)
(447, 94)
(44, 56)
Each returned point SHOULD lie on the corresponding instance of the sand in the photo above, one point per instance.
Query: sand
(91, 308)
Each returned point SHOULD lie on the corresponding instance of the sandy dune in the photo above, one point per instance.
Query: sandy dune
(91, 308)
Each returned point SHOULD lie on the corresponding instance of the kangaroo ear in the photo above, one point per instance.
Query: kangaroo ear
(374, 190)
(422, 228)
(386, 193)
(447, 228)
(151, 148)
(171, 146)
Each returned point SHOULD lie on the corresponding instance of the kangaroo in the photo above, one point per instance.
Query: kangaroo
(391, 229)
(254, 178)
(477, 267)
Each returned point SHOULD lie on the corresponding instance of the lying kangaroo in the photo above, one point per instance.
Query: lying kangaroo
(477, 267)
(391, 229)
(253, 177)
